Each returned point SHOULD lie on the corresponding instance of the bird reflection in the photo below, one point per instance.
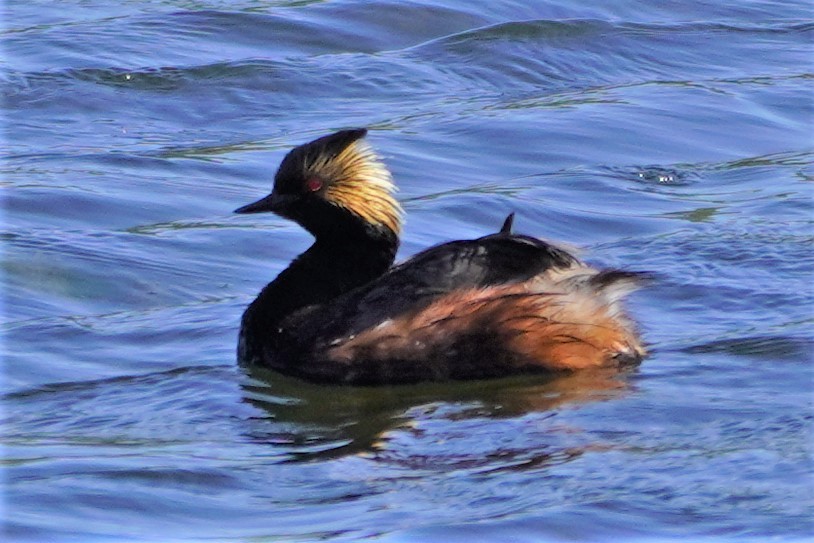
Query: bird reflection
(308, 422)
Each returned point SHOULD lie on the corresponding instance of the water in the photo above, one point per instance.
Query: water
(663, 136)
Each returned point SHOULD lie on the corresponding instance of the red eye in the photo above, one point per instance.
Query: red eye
(314, 184)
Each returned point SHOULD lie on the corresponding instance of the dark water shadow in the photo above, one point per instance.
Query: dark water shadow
(317, 422)
(772, 347)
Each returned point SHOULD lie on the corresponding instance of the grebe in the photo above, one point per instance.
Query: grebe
(469, 309)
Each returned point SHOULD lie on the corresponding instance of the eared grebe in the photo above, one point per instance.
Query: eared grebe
(489, 307)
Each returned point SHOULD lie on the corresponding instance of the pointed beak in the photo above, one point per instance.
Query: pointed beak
(273, 202)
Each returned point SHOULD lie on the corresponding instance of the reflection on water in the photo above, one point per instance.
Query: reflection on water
(339, 421)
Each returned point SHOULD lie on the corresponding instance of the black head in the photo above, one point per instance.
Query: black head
(331, 182)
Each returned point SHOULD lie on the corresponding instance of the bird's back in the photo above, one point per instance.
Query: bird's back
(487, 307)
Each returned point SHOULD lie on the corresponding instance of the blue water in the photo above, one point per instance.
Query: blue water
(674, 137)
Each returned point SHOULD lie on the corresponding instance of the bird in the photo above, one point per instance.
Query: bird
(343, 313)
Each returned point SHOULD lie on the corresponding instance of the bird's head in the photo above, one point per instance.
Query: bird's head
(333, 183)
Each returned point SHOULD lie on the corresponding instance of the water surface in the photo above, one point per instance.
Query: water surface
(654, 135)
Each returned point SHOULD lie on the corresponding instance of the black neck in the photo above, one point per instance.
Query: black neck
(330, 267)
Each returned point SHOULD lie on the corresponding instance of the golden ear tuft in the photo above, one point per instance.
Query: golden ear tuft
(358, 181)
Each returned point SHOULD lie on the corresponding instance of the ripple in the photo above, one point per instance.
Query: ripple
(772, 347)
(657, 175)
(540, 52)
(102, 409)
